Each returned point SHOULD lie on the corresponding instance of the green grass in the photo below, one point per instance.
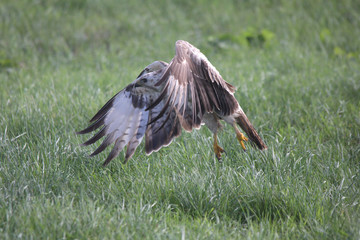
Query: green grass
(296, 68)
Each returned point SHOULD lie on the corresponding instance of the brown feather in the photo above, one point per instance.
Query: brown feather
(108, 140)
(96, 137)
(155, 136)
(207, 89)
(95, 125)
(246, 125)
(104, 109)
(114, 152)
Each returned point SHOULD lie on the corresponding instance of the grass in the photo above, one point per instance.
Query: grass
(296, 68)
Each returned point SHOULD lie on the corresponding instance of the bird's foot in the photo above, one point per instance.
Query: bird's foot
(218, 150)
(241, 138)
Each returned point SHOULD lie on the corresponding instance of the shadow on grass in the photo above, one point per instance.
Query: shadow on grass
(239, 207)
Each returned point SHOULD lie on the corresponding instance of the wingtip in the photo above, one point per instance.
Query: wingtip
(107, 160)
(79, 132)
(96, 152)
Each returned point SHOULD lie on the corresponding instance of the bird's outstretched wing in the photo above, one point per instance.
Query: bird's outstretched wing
(193, 87)
(123, 120)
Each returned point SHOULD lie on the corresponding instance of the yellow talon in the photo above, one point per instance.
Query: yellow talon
(241, 138)
(217, 149)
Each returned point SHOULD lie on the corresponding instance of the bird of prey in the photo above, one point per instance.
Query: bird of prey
(166, 97)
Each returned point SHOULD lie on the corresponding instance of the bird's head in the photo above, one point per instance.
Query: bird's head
(150, 75)
(153, 67)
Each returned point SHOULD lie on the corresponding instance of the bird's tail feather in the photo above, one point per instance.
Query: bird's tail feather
(249, 129)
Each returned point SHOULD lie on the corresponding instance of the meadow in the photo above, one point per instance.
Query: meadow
(296, 67)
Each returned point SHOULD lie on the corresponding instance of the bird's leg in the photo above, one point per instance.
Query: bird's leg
(240, 137)
(217, 149)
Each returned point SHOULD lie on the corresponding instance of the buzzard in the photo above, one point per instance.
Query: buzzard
(186, 93)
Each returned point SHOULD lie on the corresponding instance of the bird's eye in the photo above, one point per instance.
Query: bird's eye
(144, 80)
(146, 69)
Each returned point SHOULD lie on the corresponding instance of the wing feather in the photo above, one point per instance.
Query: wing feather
(190, 77)
(110, 138)
(95, 125)
(96, 137)
(137, 138)
(124, 121)
(163, 130)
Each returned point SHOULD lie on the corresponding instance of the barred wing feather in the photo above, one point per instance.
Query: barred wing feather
(122, 123)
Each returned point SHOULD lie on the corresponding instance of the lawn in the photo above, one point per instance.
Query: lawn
(296, 67)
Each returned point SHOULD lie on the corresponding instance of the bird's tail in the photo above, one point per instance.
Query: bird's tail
(249, 129)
